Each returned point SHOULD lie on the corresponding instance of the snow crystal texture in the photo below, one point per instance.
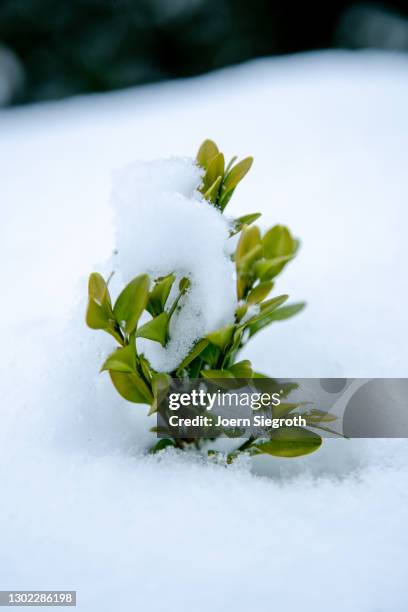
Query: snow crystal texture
(163, 226)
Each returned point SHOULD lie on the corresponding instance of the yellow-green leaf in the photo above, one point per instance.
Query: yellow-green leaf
(221, 337)
(131, 302)
(244, 220)
(237, 173)
(214, 171)
(131, 387)
(160, 386)
(260, 292)
(212, 193)
(156, 329)
(249, 239)
(195, 352)
(278, 242)
(290, 442)
(241, 369)
(121, 360)
(159, 294)
(206, 153)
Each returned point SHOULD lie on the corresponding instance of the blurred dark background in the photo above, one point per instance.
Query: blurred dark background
(52, 49)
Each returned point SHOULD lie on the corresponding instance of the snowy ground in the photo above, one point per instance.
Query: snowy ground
(82, 506)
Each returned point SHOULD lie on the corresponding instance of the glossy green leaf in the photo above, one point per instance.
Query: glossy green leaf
(212, 193)
(145, 368)
(244, 220)
(214, 171)
(266, 269)
(260, 292)
(224, 198)
(221, 337)
(160, 386)
(319, 416)
(159, 294)
(156, 329)
(96, 316)
(98, 289)
(286, 312)
(184, 284)
(278, 242)
(195, 352)
(237, 173)
(99, 314)
(132, 387)
(266, 316)
(290, 442)
(272, 304)
(230, 164)
(206, 153)
(131, 302)
(241, 369)
(216, 374)
(121, 360)
(245, 263)
(249, 239)
(210, 355)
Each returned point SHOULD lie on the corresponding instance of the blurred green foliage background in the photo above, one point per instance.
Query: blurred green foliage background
(75, 46)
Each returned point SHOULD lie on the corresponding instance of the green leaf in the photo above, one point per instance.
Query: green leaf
(195, 352)
(224, 199)
(145, 368)
(206, 153)
(210, 355)
(184, 284)
(266, 316)
(290, 442)
(212, 193)
(160, 386)
(131, 302)
(260, 292)
(283, 409)
(230, 164)
(221, 337)
(99, 314)
(159, 294)
(216, 374)
(319, 416)
(131, 387)
(287, 311)
(245, 220)
(270, 305)
(98, 290)
(249, 239)
(266, 269)
(241, 369)
(245, 263)
(237, 173)
(214, 171)
(156, 329)
(278, 242)
(96, 316)
(121, 360)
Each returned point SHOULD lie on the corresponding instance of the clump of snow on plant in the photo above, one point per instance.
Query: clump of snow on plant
(163, 225)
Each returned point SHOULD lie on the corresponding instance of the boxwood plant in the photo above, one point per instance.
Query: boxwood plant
(259, 258)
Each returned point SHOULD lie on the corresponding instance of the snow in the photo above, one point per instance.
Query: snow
(163, 227)
(83, 506)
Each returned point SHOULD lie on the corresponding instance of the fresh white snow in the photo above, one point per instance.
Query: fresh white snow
(163, 226)
(83, 507)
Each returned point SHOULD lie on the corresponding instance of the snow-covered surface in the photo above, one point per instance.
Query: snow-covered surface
(163, 226)
(82, 506)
